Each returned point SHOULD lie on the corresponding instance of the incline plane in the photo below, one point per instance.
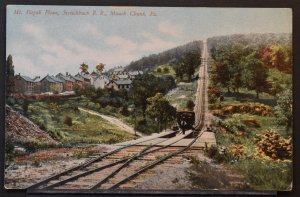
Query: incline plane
(206, 139)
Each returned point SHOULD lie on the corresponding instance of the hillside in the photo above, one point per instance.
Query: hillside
(252, 40)
(171, 56)
(20, 129)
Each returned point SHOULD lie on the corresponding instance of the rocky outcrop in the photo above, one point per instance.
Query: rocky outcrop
(20, 129)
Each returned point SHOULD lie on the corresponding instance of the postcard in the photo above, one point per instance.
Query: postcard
(120, 98)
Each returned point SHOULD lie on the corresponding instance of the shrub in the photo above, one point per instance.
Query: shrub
(158, 70)
(68, 120)
(204, 176)
(124, 110)
(251, 123)
(166, 70)
(219, 155)
(272, 146)
(234, 125)
(190, 105)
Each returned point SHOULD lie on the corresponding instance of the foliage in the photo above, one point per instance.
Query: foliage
(84, 68)
(283, 110)
(278, 56)
(218, 154)
(273, 146)
(68, 120)
(213, 94)
(10, 73)
(204, 176)
(247, 107)
(243, 61)
(255, 75)
(166, 70)
(160, 110)
(187, 66)
(266, 175)
(100, 67)
(171, 56)
(190, 105)
(278, 81)
(55, 88)
(146, 86)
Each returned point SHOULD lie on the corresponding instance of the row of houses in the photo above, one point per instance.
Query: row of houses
(117, 80)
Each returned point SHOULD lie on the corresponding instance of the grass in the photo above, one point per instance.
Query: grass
(85, 128)
(94, 129)
(170, 70)
(266, 175)
(261, 174)
(239, 128)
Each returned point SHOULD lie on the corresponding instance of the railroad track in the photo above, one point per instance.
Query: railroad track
(114, 170)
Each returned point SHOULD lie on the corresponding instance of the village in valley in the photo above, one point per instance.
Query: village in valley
(66, 83)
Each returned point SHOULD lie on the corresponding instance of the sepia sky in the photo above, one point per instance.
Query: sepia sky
(58, 38)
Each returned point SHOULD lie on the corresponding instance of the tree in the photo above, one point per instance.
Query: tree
(179, 70)
(84, 68)
(160, 110)
(143, 87)
(190, 105)
(284, 109)
(255, 74)
(191, 62)
(100, 67)
(55, 88)
(10, 73)
(147, 85)
(220, 74)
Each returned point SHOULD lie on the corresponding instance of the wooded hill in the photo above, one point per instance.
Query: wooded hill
(257, 41)
(171, 56)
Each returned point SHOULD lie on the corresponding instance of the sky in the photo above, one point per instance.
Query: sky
(51, 39)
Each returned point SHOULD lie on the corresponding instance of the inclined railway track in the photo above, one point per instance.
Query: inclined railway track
(116, 168)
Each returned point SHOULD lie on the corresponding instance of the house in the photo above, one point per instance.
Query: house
(78, 81)
(51, 84)
(121, 77)
(100, 81)
(94, 74)
(119, 84)
(68, 83)
(119, 71)
(134, 74)
(37, 85)
(87, 79)
(24, 84)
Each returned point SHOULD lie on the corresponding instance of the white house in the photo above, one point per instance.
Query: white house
(100, 82)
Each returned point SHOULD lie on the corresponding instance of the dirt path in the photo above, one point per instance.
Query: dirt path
(114, 121)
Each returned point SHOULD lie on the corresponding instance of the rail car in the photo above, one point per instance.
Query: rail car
(185, 119)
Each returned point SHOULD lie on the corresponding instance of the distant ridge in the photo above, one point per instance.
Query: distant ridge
(171, 56)
(252, 39)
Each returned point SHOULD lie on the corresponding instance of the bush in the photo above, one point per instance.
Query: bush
(166, 70)
(219, 155)
(68, 120)
(203, 176)
(234, 125)
(158, 70)
(272, 146)
(124, 111)
(190, 105)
